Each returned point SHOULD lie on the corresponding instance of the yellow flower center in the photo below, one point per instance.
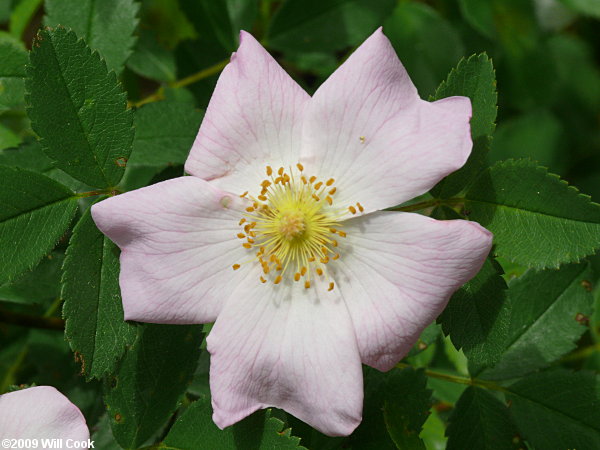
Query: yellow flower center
(293, 226)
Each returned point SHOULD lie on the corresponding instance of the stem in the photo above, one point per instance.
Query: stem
(26, 320)
(108, 191)
(583, 353)
(429, 204)
(490, 385)
(194, 78)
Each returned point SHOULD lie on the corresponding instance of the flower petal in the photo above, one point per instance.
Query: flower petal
(178, 243)
(40, 412)
(367, 127)
(396, 274)
(288, 347)
(254, 118)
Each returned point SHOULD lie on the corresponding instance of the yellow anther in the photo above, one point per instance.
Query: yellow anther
(241, 222)
(332, 191)
(360, 207)
(336, 257)
(324, 250)
(311, 259)
(286, 178)
(280, 171)
(244, 194)
(312, 179)
(279, 268)
(304, 179)
(250, 209)
(236, 266)
(300, 167)
(316, 197)
(278, 279)
(330, 286)
(250, 241)
(266, 269)
(318, 185)
(341, 233)
(297, 276)
(265, 183)
(330, 182)
(241, 235)
(333, 230)
(262, 279)
(334, 242)
(303, 271)
(246, 245)
(269, 171)
(319, 271)
(278, 180)
(324, 260)
(329, 200)
(307, 284)
(362, 139)
(262, 198)
(352, 209)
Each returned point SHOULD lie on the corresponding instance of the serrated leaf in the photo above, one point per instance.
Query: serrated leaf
(159, 142)
(558, 409)
(8, 138)
(478, 316)
(28, 155)
(480, 421)
(151, 379)
(537, 219)
(406, 407)
(545, 308)
(149, 59)
(474, 78)
(106, 25)
(305, 25)
(42, 283)
(35, 212)
(13, 59)
(195, 429)
(78, 109)
(95, 327)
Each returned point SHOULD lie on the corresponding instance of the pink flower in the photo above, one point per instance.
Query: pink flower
(279, 237)
(41, 412)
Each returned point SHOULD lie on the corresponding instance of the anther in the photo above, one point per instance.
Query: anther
(300, 167)
(329, 200)
(241, 235)
(316, 197)
(332, 191)
(262, 198)
(241, 222)
(352, 209)
(330, 182)
(250, 209)
(334, 242)
(262, 279)
(307, 284)
(278, 279)
(280, 171)
(297, 276)
(244, 194)
(319, 271)
(341, 233)
(236, 266)
(318, 185)
(246, 245)
(330, 286)
(269, 171)
(303, 271)
(360, 207)
(336, 257)
(312, 179)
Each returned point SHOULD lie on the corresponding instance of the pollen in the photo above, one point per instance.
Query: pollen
(291, 228)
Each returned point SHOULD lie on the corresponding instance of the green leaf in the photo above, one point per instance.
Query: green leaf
(13, 59)
(159, 142)
(587, 7)
(28, 155)
(95, 327)
(480, 421)
(151, 379)
(78, 109)
(151, 60)
(474, 78)
(477, 316)
(38, 285)
(537, 219)
(306, 25)
(106, 25)
(8, 139)
(546, 307)
(35, 212)
(558, 409)
(22, 15)
(407, 406)
(426, 43)
(195, 429)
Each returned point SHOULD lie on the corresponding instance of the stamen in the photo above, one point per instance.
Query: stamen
(236, 266)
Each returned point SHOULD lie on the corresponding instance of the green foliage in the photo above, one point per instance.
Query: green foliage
(13, 58)
(406, 407)
(195, 429)
(305, 25)
(558, 409)
(106, 25)
(588, 7)
(480, 421)
(151, 60)
(474, 78)
(547, 312)
(35, 212)
(95, 327)
(150, 381)
(477, 316)
(537, 219)
(82, 120)
(21, 15)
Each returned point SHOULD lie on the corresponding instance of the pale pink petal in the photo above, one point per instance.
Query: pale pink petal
(396, 274)
(254, 118)
(41, 412)
(288, 347)
(178, 244)
(367, 128)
